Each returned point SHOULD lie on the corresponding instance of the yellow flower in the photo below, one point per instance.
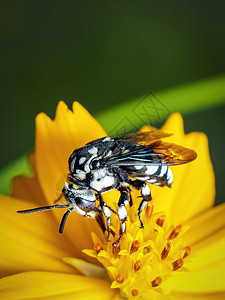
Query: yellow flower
(180, 254)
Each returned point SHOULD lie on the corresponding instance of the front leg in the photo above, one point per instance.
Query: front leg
(107, 212)
(122, 212)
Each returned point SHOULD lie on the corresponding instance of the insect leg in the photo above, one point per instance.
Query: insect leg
(122, 212)
(146, 195)
(99, 219)
(130, 198)
(125, 181)
(107, 212)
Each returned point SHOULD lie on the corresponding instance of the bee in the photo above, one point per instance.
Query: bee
(119, 163)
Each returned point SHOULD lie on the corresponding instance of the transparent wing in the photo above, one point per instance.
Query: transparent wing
(146, 148)
(144, 138)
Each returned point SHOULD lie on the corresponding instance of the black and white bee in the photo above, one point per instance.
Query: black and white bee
(118, 163)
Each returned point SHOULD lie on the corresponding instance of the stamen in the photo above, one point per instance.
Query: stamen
(177, 264)
(160, 221)
(134, 246)
(98, 248)
(187, 251)
(175, 232)
(137, 265)
(135, 292)
(149, 209)
(166, 251)
(116, 250)
(119, 278)
(156, 282)
(155, 252)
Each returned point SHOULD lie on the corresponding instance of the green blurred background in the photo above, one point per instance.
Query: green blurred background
(102, 53)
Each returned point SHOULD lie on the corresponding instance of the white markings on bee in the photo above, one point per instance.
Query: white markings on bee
(106, 211)
(82, 160)
(99, 174)
(93, 150)
(101, 180)
(122, 213)
(169, 176)
(99, 184)
(163, 171)
(144, 178)
(153, 180)
(107, 139)
(80, 174)
(86, 167)
(151, 170)
(125, 151)
(145, 191)
(138, 167)
(109, 153)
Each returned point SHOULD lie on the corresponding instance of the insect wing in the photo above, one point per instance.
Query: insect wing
(144, 138)
(146, 148)
(140, 155)
(174, 154)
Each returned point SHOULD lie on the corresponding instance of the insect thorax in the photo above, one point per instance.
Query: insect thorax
(87, 168)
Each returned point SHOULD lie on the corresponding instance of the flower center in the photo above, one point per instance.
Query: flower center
(144, 258)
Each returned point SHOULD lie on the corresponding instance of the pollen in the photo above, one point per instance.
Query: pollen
(166, 251)
(119, 278)
(134, 246)
(187, 251)
(145, 257)
(137, 265)
(156, 282)
(175, 232)
(178, 264)
(135, 292)
(161, 220)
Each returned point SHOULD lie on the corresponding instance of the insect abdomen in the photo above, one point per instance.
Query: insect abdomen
(156, 174)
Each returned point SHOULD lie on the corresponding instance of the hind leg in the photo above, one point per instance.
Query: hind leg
(145, 194)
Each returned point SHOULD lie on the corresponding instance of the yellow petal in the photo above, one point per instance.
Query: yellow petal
(207, 234)
(193, 189)
(28, 187)
(55, 141)
(30, 242)
(86, 268)
(205, 225)
(207, 238)
(46, 285)
(196, 296)
(208, 279)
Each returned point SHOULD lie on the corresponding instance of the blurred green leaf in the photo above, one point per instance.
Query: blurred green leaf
(17, 167)
(185, 99)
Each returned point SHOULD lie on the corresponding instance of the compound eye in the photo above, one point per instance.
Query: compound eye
(85, 204)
